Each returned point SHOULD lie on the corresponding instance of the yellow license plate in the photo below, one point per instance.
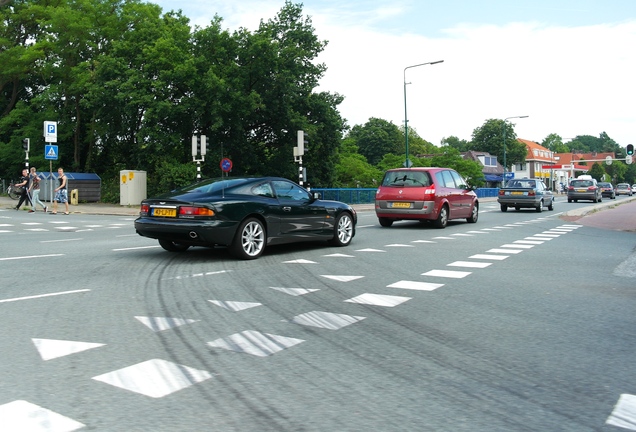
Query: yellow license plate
(516, 193)
(164, 212)
(581, 190)
(401, 205)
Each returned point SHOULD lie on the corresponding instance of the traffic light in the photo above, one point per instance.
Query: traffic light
(630, 149)
(303, 140)
(26, 144)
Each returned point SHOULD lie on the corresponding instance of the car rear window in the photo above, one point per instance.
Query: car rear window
(406, 178)
(582, 183)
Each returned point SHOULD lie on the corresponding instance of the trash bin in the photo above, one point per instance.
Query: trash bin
(132, 187)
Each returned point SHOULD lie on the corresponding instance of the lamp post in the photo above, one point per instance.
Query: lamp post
(504, 145)
(407, 163)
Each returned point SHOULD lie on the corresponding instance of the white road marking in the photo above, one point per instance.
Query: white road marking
(235, 306)
(135, 248)
(487, 257)
(413, 285)
(473, 264)
(52, 348)
(154, 378)
(378, 300)
(447, 274)
(326, 320)
(21, 415)
(624, 413)
(255, 343)
(30, 256)
(157, 324)
(43, 295)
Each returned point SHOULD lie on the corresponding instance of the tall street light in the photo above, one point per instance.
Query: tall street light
(504, 144)
(407, 162)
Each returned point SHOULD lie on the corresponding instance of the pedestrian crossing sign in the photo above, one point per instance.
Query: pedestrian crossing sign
(50, 152)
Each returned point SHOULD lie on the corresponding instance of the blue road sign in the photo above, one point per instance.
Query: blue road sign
(50, 152)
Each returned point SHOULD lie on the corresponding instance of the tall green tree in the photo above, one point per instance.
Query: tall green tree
(490, 138)
(376, 138)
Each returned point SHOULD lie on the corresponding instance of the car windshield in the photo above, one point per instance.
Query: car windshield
(582, 183)
(406, 178)
(521, 184)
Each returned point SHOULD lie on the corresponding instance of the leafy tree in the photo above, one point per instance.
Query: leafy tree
(490, 138)
(456, 143)
(376, 138)
(597, 172)
(554, 142)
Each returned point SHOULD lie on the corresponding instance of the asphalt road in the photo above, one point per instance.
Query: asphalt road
(521, 322)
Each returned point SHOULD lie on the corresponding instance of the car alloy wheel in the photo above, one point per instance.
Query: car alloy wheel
(442, 219)
(249, 242)
(343, 230)
(474, 214)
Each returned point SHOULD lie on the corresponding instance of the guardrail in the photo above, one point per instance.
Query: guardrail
(367, 195)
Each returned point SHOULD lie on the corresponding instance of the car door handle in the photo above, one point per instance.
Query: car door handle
(286, 208)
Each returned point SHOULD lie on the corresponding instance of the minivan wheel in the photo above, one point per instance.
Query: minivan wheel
(442, 219)
(385, 222)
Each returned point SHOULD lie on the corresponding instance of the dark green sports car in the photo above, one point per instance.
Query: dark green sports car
(245, 214)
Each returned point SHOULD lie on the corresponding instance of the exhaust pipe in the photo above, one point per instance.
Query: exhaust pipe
(193, 234)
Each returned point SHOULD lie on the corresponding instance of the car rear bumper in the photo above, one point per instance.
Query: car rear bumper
(418, 210)
(583, 196)
(519, 202)
(192, 232)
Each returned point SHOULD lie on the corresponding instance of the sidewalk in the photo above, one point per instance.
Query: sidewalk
(119, 210)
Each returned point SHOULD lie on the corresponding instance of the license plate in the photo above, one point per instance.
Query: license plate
(164, 212)
(401, 205)
(581, 190)
(516, 193)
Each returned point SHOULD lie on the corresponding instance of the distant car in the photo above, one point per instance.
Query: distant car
(525, 193)
(607, 190)
(584, 189)
(245, 214)
(425, 194)
(624, 189)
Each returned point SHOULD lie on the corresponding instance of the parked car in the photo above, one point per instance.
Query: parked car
(584, 189)
(245, 214)
(624, 189)
(425, 194)
(607, 190)
(525, 193)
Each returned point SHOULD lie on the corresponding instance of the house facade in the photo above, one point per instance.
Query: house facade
(492, 169)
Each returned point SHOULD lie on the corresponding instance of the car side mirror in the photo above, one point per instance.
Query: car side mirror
(316, 195)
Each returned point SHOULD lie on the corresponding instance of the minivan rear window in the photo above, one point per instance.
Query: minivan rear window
(406, 178)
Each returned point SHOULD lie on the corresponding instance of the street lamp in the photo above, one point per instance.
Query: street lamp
(407, 163)
(504, 145)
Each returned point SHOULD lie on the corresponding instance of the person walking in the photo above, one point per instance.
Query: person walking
(24, 185)
(61, 192)
(34, 190)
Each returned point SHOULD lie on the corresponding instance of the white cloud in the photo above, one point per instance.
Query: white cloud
(570, 80)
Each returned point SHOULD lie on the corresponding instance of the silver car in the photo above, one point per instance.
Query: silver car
(624, 189)
(584, 189)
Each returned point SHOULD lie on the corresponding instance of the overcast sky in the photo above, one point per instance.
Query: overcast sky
(570, 65)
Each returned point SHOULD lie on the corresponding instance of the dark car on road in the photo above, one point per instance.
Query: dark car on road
(607, 190)
(584, 189)
(245, 214)
(525, 193)
(425, 194)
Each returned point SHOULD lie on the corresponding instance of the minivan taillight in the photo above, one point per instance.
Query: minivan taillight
(429, 193)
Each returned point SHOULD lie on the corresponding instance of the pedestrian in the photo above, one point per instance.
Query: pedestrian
(24, 188)
(34, 190)
(61, 192)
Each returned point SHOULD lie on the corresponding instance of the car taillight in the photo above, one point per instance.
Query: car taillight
(195, 211)
(502, 192)
(429, 193)
(592, 188)
(145, 208)
(532, 193)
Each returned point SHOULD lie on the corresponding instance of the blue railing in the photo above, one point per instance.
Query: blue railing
(367, 195)
(348, 195)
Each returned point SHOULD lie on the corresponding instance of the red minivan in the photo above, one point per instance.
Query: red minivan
(426, 193)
